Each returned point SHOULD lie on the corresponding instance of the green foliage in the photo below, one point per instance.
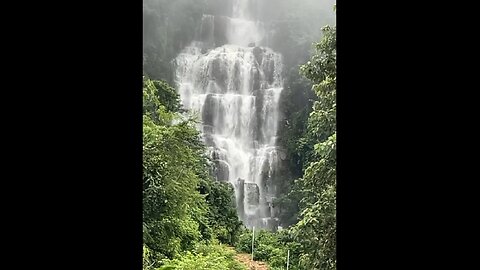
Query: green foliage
(205, 257)
(296, 105)
(272, 247)
(182, 205)
(316, 230)
(266, 247)
(222, 213)
(321, 70)
(172, 158)
(148, 260)
(294, 27)
(160, 101)
(244, 243)
(169, 179)
(312, 241)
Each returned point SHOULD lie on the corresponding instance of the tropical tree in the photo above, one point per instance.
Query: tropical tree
(316, 230)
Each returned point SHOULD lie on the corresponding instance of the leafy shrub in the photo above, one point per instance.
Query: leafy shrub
(267, 247)
(213, 256)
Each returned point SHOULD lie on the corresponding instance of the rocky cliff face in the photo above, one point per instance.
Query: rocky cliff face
(234, 84)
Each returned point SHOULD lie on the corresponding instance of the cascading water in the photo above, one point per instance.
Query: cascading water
(235, 86)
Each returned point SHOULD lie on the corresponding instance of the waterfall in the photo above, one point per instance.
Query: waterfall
(234, 84)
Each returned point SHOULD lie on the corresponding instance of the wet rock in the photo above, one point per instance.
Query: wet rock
(206, 32)
(220, 30)
(208, 112)
(217, 153)
(208, 129)
(265, 166)
(258, 53)
(268, 70)
(218, 73)
(256, 79)
(273, 210)
(252, 194)
(236, 78)
(239, 123)
(208, 139)
(221, 170)
(240, 186)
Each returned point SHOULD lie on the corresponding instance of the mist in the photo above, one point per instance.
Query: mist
(290, 27)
